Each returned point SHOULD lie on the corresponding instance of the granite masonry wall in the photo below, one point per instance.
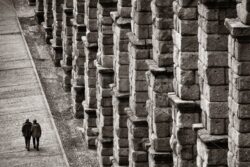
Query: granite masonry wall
(157, 83)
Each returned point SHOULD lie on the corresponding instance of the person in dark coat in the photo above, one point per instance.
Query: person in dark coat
(26, 130)
(36, 133)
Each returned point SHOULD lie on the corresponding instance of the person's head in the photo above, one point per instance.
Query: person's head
(34, 121)
(27, 120)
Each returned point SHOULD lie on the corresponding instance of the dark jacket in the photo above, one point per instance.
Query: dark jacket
(26, 129)
(36, 130)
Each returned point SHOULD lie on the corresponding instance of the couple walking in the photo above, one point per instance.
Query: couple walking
(33, 130)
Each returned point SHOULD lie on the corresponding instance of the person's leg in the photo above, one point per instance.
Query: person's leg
(25, 138)
(34, 142)
(28, 143)
(37, 140)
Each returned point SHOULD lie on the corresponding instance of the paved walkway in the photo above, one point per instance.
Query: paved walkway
(21, 97)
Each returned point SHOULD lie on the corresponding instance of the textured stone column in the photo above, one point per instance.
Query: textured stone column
(185, 108)
(67, 36)
(239, 88)
(104, 115)
(140, 50)
(39, 11)
(159, 114)
(105, 73)
(90, 50)
(213, 79)
(48, 20)
(78, 56)
(57, 30)
(159, 81)
(120, 98)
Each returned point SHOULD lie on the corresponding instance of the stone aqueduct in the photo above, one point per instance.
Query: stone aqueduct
(158, 83)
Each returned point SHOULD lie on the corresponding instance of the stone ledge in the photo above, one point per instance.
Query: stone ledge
(39, 11)
(81, 27)
(103, 70)
(106, 142)
(46, 28)
(156, 70)
(237, 28)
(213, 141)
(67, 10)
(164, 157)
(123, 22)
(184, 105)
(90, 111)
(56, 47)
(78, 88)
(137, 121)
(119, 95)
(88, 45)
(147, 43)
(91, 132)
(66, 68)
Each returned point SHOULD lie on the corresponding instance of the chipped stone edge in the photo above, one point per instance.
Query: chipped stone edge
(42, 90)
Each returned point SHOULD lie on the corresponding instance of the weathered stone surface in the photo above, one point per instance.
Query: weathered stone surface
(130, 58)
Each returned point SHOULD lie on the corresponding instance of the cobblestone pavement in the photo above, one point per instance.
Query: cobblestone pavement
(21, 97)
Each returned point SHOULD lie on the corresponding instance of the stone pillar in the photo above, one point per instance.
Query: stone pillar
(120, 98)
(39, 11)
(159, 81)
(213, 79)
(159, 114)
(90, 50)
(57, 29)
(48, 20)
(67, 34)
(140, 50)
(78, 56)
(104, 65)
(239, 88)
(185, 108)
